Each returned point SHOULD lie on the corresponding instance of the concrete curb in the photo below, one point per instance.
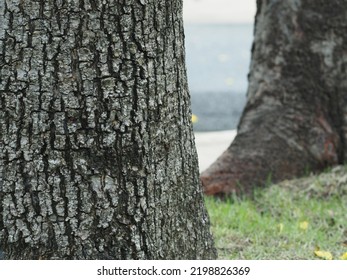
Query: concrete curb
(210, 145)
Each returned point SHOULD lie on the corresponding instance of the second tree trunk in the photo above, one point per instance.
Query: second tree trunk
(295, 117)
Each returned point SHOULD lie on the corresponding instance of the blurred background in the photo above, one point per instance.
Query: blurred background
(219, 36)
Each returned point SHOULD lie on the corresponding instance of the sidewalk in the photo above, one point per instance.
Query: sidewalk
(210, 145)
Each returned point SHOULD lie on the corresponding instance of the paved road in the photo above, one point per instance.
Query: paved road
(218, 59)
(217, 111)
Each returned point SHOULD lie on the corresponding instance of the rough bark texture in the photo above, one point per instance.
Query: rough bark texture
(295, 119)
(97, 153)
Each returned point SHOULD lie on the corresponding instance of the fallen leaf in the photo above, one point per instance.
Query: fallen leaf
(324, 255)
(195, 119)
(280, 227)
(303, 225)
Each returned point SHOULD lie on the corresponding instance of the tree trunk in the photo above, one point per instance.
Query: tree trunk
(296, 114)
(97, 153)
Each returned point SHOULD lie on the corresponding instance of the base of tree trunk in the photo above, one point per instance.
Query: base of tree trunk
(268, 154)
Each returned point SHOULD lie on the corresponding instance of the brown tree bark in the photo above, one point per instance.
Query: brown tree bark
(296, 114)
(97, 155)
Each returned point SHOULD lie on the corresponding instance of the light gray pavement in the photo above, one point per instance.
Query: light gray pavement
(210, 145)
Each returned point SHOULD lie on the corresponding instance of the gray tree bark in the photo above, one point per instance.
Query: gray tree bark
(295, 119)
(98, 159)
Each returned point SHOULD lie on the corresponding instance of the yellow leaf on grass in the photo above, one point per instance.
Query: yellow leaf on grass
(195, 118)
(303, 225)
(323, 255)
(280, 227)
(344, 257)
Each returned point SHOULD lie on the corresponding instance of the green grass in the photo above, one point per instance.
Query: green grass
(271, 225)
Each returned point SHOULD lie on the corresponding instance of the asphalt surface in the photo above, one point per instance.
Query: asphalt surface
(217, 111)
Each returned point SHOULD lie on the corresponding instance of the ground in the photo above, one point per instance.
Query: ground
(299, 219)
